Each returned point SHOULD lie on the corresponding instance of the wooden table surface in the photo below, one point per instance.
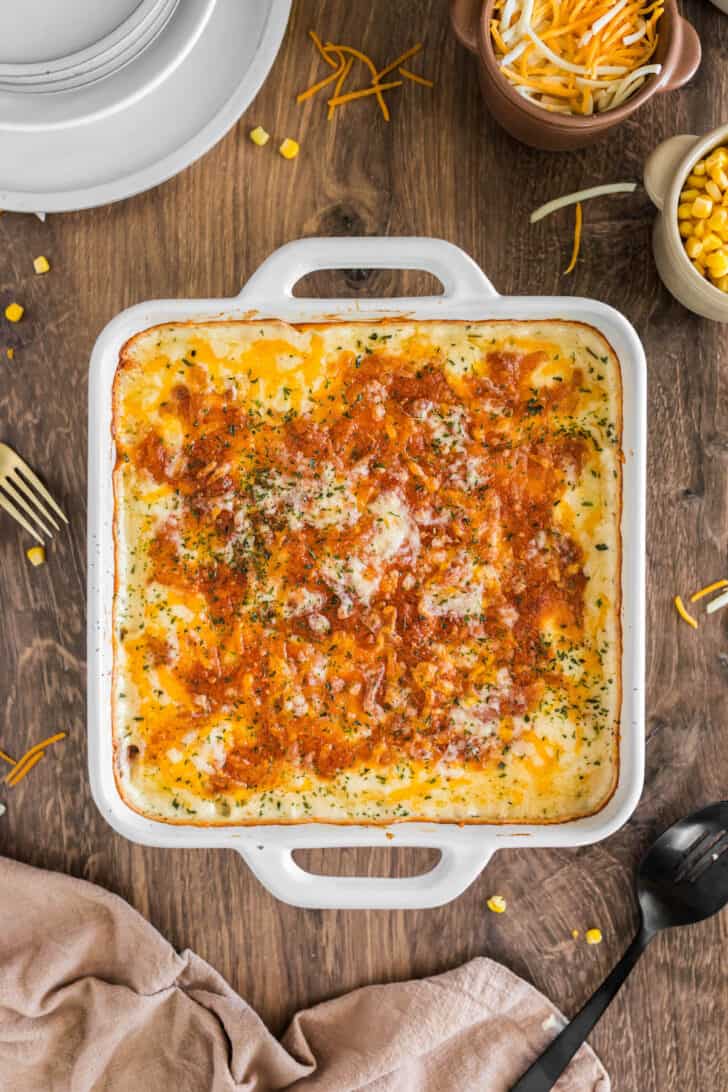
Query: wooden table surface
(441, 167)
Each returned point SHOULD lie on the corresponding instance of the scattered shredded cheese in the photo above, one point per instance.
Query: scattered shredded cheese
(577, 239)
(581, 195)
(545, 48)
(30, 759)
(718, 603)
(680, 607)
(715, 586)
(24, 767)
(341, 58)
(6, 758)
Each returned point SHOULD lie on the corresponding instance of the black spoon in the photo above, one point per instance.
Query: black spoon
(682, 879)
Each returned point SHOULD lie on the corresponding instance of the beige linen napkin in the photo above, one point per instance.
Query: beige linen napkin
(93, 999)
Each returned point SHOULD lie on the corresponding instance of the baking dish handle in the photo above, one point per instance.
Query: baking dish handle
(276, 869)
(462, 279)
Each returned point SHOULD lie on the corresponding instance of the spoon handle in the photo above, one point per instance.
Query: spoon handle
(547, 1069)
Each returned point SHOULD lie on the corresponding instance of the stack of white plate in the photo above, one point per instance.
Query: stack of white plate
(100, 101)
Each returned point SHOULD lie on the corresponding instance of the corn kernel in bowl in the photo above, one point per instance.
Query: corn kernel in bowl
(703, 217)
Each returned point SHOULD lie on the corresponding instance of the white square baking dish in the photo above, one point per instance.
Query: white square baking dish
(465, 850)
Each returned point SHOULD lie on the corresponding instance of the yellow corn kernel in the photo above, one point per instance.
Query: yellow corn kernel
(713, 191)
(575, 934)
(717, 264)
(702, 208)
(719, 220)
(685, 227)
(684, 212)
(593, 936)
(690, 195)
(259, 136)
(10, 354)
(35, 555)
(711, 242)
(497, 904)
(289, 149)
(722, 283)
(14, 312)
(41, 264)
(693, 246)
(719, 177)
(699, 168)
(698, 228)
(717, 158)
(700, 267)
(697, 181)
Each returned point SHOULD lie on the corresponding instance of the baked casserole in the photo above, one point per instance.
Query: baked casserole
(367, 572)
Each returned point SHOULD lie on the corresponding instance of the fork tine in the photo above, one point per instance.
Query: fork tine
(35, 480)
(20, 484)
(23, 505)
(13, 511)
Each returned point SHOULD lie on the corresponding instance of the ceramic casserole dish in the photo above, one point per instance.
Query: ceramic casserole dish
(467, 296)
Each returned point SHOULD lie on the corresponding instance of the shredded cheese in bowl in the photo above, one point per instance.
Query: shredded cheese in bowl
(576, 56)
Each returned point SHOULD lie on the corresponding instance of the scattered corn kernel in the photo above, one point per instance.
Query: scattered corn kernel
(35, 555)
(14, 312)
(703, 217)
(289, 149)
(702, 208)
(10, 354)
(575, 934)
(593, 936)
(497, 904)
(41, 264)
(259, 136)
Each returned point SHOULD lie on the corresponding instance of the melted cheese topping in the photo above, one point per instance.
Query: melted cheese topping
(367, 573)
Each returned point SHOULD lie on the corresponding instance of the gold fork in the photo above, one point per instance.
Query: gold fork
(21, 491)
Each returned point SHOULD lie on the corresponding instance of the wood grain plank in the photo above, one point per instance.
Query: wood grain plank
(441, 167)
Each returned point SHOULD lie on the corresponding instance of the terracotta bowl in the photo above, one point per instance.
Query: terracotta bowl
(678, 52)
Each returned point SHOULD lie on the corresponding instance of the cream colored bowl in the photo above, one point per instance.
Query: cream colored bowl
(665, 174)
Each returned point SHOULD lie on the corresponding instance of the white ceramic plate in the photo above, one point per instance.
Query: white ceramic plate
(468, 294)
(145, 122)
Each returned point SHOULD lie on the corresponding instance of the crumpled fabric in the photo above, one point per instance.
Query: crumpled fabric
(94, 999)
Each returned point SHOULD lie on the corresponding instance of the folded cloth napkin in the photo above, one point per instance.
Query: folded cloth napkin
(93, 999)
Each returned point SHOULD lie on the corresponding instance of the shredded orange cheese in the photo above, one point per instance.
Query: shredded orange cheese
(680, 607)
(577, 239)
(363, 93)
(24, 767)
(416, 78)
(6, 758)
(30, 758)
(400, 60)
(715, 586)
(576, 57)
(341, 58)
